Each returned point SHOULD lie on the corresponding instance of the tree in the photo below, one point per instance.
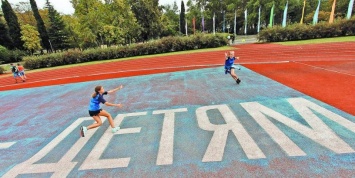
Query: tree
(25, 15)
(12, 22)
(109, 23)
(148, 17)
(89, 14)
(31, 39)
(5, 39)
(120, 25)
(170, 19)
(57, 31)
(40, 26)
(73, 28)
(194, 11)
(182, 18)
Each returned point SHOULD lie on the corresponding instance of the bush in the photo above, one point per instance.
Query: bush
(304, 32)
(16, 56)
(4, 54)
(9, 56)
(2, 70)
(164, 45)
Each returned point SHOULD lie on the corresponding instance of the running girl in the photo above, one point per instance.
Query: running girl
(230, 67)
(16, 73)
(95, 110)
(21, 71)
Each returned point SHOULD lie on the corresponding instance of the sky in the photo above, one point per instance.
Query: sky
(65, 7)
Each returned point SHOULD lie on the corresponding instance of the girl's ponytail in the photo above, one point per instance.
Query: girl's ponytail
(97, 89)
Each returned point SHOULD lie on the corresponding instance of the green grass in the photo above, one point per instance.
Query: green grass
(319, 41)
(137, 57)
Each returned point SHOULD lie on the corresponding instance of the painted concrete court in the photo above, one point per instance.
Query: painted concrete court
(185, 124)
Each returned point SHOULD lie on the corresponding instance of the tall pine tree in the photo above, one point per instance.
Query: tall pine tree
(5, 39)
(58, 35)
(40, 26)
(12, 23)
(182, 18)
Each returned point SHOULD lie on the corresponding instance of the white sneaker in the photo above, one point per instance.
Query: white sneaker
(114, 130)
(83, 131)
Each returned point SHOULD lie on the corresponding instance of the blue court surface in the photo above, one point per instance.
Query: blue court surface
(186, 124)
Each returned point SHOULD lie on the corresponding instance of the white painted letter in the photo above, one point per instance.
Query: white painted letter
(215, 149)
(319, 132)
(275, 133)
(65, 165)
(166, 145)
(93, 160)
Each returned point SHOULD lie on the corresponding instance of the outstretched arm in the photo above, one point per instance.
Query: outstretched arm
(110, 104)
(114, 90)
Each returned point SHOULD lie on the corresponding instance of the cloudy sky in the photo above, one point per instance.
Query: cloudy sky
(64, 6)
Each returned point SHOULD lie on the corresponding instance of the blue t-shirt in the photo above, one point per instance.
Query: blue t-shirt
(229, 62)
(95, 102)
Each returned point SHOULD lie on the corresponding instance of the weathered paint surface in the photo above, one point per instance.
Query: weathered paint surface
(183, 124)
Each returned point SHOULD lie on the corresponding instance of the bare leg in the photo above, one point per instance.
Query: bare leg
(23, 79)
(235, 77)
(97, 124)
(108, 115)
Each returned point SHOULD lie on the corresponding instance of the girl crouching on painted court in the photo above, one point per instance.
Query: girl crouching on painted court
(230, 67)
(95, 110)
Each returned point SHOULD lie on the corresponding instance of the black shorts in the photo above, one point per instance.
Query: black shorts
(94, 113)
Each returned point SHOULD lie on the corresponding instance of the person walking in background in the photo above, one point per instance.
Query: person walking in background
(21, 71)
(15, 72)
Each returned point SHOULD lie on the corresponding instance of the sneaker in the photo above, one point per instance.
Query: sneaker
(83, 131)
(114, 130)
(238, 81)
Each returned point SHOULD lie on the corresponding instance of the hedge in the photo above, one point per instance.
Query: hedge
(303, 32)
(2, 70)
(164, 45)
(8, 56)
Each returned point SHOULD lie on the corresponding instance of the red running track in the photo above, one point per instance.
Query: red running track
(248, 54)
(328, 81)
(331, 82)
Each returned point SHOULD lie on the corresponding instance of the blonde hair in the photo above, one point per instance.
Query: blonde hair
(97, 89)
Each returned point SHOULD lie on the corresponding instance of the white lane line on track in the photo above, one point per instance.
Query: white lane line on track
(6, 145)
(324, 68)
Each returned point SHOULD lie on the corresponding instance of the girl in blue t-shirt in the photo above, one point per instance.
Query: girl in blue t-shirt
(95, 110)
(230, 67)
